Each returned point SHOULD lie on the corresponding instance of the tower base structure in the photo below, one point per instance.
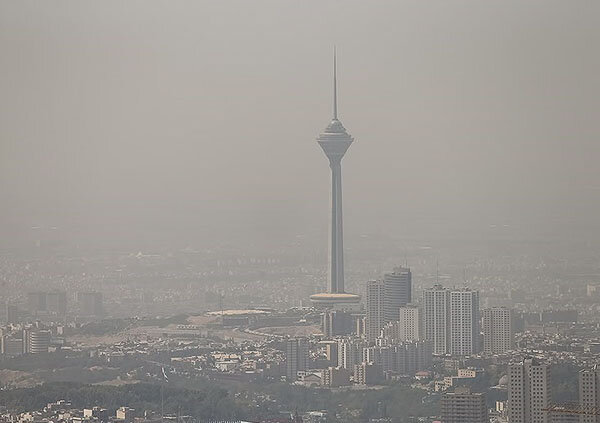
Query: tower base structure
(335, 301)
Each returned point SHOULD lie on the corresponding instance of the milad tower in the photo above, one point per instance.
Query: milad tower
(334, 141)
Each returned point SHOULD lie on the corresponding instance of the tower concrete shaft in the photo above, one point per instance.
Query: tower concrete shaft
(336, 240)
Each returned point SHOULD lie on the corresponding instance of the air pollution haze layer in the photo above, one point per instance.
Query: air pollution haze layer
(142, 122)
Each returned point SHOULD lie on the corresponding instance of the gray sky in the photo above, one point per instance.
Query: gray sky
(123, 120)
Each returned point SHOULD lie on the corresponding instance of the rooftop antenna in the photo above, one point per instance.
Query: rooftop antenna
(334, 84)
(437, 271)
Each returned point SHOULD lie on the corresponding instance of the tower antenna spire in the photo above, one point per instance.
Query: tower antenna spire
(334, 84)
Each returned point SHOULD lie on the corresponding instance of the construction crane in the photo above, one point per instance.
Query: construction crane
(572, 409)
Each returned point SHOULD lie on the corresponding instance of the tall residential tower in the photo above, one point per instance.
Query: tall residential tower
(398, 292)
(451, 320)
(498, 333)
(529, 392)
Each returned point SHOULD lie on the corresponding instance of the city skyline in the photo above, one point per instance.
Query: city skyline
(168, 252)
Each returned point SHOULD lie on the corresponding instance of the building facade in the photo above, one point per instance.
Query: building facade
(398, 292)
(464, 322)
(405, 358)
(375, 318)
(589, 393)
(409, 323)
(529, 391)
(436, 312)
(451, 320)
(498, 330)
(337, 323)
(90, 303)
(36, 341)
(463, 406)
(350, 352)
(296, 357)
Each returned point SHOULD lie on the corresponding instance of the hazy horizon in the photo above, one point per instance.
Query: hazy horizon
(160, 121)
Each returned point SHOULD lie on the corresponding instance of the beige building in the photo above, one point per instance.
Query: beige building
(125, 414)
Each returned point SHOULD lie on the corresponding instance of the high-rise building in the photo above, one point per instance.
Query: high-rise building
(296, 357)
(409, 323)
(361, 326)
(53, 302)
(56, 302)
(336, 376)
(10, 346)
(90, 303)
(335, 141)
(36, 341)
(464, 322)
(337, 323)
(408, 328)
(367, 374)
(398, 292)
(385, 298)
(436, 312)
(12, 313)
(418, 356)
(390, 333)
(331, 350)
(529, 391)
(451, 320)
(350, 352)
(36, 302)
(463, 406)
(589, 393)
(498, 332)
(375, 310)
(405, 358)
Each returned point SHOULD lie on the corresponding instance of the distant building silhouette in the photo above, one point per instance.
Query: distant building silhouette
(90, 303)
